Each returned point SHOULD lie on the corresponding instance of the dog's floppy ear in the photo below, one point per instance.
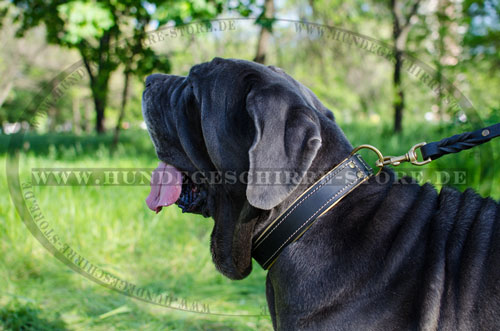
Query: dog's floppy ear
(287, 138)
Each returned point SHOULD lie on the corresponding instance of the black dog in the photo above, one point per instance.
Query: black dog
(392, 255)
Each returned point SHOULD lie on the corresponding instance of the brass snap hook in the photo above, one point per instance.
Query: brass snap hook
(382, 161)
(411, 157)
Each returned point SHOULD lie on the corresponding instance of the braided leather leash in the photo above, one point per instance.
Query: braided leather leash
(459, 142)
(434, 150)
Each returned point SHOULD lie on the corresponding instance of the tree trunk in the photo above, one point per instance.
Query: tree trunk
(99, 78)
(398, 93)
(88, 116)
(122, 109)
(99, 94)
(77, 116)
(51, 119)
(99, 112)
(441, 52)
(265, 33)
(401, 27)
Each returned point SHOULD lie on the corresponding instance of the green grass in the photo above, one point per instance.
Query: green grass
(167, 252)
(113, 228)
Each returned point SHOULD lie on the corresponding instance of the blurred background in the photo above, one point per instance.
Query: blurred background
(394, 73)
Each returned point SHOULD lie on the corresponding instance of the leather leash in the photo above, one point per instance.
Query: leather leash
(459, 142)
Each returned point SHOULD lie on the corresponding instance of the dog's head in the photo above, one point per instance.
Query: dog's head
(235, 118)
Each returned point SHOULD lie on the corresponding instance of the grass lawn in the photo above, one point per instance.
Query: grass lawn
(168, 252)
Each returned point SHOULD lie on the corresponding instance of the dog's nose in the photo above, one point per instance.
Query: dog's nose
(153, 77)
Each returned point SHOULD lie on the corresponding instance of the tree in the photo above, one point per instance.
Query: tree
(24, 73)
(483, 36)
(137, 61)
(266, 21)
(447, 45)
(401, 26)
(96, 30)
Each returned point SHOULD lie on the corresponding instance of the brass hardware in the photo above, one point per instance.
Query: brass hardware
(485, 132)
(370, 147)
(382, 161)
(411, 157)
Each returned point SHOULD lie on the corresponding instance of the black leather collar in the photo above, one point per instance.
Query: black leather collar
(313, 203)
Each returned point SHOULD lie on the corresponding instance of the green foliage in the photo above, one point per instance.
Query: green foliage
(84, 21)
(109, 34)
(243, 8)
(15, 108)
(483, 34)
(185, 11)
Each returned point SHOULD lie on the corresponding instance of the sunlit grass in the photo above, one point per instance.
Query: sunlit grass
(113, 228)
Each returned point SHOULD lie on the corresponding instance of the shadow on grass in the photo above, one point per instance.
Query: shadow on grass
(28, 317)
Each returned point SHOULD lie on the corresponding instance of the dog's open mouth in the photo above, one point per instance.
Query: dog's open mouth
(169, 186)
(193, 196)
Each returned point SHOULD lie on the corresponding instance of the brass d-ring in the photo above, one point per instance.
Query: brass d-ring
(379, 154)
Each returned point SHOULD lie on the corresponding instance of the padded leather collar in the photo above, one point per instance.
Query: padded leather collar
(313, 203)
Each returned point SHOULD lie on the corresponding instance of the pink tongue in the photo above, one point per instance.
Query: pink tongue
(166, 187)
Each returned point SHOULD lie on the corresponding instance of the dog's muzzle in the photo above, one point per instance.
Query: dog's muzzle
(169, 186)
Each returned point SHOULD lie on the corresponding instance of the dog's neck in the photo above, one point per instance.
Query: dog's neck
(343, 218)
(293, 280)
